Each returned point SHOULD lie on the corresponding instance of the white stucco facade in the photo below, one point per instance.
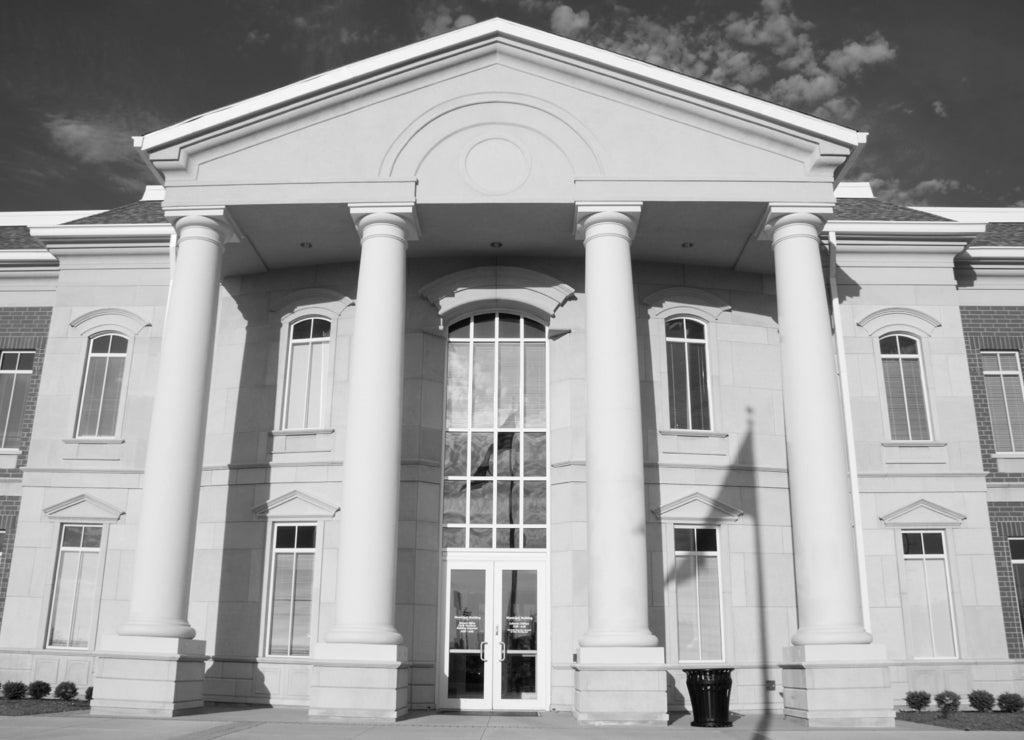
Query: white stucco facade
(591, 207)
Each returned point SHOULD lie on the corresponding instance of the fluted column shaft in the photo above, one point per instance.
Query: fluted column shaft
(616, 521)
(368, 547)
(174, 456)
(824, 546)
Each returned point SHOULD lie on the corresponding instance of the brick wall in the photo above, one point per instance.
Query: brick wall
(1006, 518)
(990, 328)
(8, 523)
(22, 328)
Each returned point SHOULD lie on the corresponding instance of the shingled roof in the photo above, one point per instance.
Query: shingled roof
(18, 237)
(872, 209)
(140, 212)
(1001, 235)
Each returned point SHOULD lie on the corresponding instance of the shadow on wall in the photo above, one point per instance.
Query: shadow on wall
(234, 674)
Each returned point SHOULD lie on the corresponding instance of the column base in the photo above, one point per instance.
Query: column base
(148, 676)
(621, 686)
(837, 686)
(359, 683)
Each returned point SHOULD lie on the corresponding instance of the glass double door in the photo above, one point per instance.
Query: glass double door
(495, 636)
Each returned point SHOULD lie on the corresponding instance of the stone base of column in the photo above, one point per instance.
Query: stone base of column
(837, 686)
(148, 676)
(621, 686)
(359, 683)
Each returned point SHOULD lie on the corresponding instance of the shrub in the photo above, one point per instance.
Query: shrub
(14, 690)
(981, 700)
(1010, 702)
(66, 690)
(88, 693)
(947, 702)
(918, 700)
(38, 689)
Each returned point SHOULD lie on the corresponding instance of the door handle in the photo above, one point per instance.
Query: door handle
(483, 651)
(501, 652)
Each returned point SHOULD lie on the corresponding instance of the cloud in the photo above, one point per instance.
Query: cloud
(442, 19)
(566, 22)
(770, 52)
(940, 109)
(90, 142)
(920, 193)
(854, 56)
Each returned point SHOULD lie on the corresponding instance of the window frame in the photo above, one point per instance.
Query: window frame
(94, 608)
(93, 324)
(313, 303)
(670, 387)
(920, 356)
(904, 577)
(268, 586)
(326, 380)
(5, 422)
(671, 596)
(1016, 445)
(709, 309)
(122, 389)
(1018, 586)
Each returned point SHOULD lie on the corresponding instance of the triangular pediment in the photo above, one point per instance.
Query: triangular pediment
(697, 509)
(496, 112)
(923, 513)
(83, 508)
(295, 506)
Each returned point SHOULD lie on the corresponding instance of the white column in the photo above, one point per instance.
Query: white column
(174, 456)
(824, 545)
(616, 512)
(368, 547)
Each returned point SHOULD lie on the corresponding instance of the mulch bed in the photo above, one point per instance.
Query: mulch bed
(968, 720)
(21, 707)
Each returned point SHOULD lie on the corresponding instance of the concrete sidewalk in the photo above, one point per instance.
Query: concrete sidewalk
(294, 724)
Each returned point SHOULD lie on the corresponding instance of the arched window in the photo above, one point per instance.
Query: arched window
(307, 374)
(903, 377)
(99, 404)
(689, 395)
(496, 417)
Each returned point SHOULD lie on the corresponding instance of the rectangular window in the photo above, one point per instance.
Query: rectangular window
(15, 374)
(927, 606)
(101, 386)
(307, 374)
(1017, 564)
(698, 594)
(291, 589)
(689, 402)
(75, 586)
(1005, 393)
(904, 388)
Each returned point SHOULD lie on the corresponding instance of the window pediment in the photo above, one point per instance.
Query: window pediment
(696, 509)
(295, 506)
(531, 293)
(922, 514)
(83, 508)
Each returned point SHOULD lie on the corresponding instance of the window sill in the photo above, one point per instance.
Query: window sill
(93, 448)
(1009, 462)
(9, 458)
(915, 452)
(296, 441)
(693, 442)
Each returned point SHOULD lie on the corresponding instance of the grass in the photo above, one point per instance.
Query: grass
(968, 720)
(22, 707)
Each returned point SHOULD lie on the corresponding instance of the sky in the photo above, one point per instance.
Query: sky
(937, 84)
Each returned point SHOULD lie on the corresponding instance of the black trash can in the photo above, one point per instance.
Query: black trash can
(709, 690)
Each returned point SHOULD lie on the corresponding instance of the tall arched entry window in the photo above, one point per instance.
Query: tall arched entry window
(494, 518)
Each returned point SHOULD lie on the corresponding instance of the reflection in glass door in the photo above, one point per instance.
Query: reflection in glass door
(493, 636)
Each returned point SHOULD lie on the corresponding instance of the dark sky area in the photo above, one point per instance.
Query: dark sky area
(938, 84)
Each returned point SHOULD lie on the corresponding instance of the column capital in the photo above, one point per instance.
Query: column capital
(782, 214)
(589, 213)
(401, 215)
(212, 217)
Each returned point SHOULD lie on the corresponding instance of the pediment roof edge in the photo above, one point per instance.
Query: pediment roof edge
(474, 36)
